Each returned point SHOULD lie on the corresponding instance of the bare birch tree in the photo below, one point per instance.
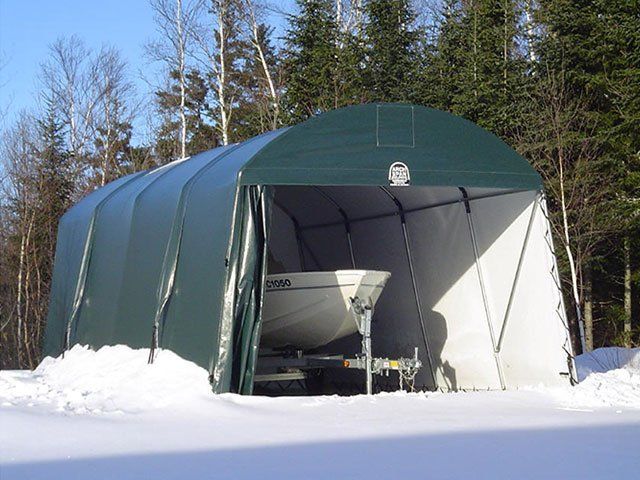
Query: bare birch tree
(213, 35)
(19, 189)
(114, 114)
(175, 21)
(557, 139)
(71, 75)
(253, 18)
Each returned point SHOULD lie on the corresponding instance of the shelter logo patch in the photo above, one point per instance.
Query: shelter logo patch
(399, 175)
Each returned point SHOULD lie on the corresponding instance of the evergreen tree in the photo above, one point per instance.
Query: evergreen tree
(593, 45)
(444, 56)
(199, 115)
(55, 182)
(310, 64)
(619, 79)
(476, 69)
(392, 51)
(256, 110)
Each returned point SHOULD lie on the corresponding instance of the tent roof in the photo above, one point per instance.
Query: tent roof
(356, 145)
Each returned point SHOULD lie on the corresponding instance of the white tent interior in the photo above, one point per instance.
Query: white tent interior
(474, 279)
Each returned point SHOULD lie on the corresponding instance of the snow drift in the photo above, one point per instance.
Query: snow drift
(108, 414)
(112, 379)
(119, 379)
(608, 377)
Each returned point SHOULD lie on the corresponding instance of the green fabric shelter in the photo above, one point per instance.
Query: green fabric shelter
(174, 257)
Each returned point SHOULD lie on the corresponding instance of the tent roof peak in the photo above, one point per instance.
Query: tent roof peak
(356, 145)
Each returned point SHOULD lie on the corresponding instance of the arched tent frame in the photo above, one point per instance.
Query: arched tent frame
(176, 257)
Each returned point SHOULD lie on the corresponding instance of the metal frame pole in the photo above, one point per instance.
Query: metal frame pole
(366, 346)
(345, 219)
(487, 310)
(514, 286)
(407, 211)
(296, 227)
(298, 232)
(414, 284)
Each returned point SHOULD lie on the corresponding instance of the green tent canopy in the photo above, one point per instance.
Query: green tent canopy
(176, 257)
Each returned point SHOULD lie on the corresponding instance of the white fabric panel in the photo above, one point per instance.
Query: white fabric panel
(418, 197)
(283, 245)
(329, 245)
(536, 331)
(451, 298)
(359, 202)
(446, 277)
(379, 245)
(500, 225)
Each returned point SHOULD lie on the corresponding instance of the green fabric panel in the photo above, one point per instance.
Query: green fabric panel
(340, 148)
(395, 126)
(98, 315)
(151, 226)
(72, 233)
(245, 283)
(192, 326)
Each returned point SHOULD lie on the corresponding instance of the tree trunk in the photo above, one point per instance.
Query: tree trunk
(627, 290)
(505, 48)
(475, 51)
(21, 265)
(530, 33)
(222, 73)
(265, 67)
(181, 73)
(588, 309)
(107, 141)
(567, 246)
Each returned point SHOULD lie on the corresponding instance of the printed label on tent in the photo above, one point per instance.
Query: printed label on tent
(399, 175)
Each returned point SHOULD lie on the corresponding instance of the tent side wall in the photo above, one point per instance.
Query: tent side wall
(134, 270)
(73, 230)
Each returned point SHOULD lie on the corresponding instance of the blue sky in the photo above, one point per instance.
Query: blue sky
(27, 27)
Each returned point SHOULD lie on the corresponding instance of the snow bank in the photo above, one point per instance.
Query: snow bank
(112, 379)
(609, 377)
(119, 379)
(602, 360)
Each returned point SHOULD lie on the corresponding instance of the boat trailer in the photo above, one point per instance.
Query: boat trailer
(296, 365)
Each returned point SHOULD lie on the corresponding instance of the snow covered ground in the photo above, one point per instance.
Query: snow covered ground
(109, 415)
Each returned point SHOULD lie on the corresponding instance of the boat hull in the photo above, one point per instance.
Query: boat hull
(310, 309)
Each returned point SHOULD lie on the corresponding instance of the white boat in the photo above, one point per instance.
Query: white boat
(310, 309)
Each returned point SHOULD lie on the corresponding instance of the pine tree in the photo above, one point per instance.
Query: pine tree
(55, 182)
(199, 117)
(619, 39)
(258, 111)
(310, 63)
(391, 52)
(475, 68)
(444, 56)
(591, 45)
